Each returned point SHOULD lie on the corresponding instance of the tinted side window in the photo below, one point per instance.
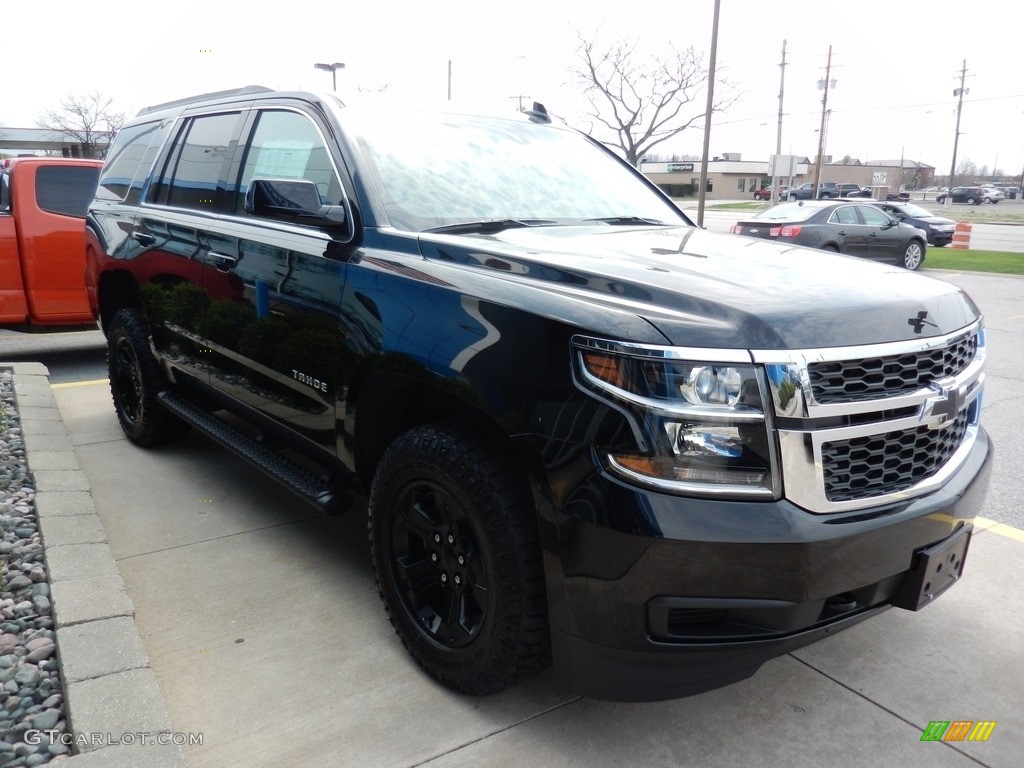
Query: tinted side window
(287, 145)
(873, 216)
(195, 173)
(65, 190)
(845, 215)
(123, 161)
(5, 191)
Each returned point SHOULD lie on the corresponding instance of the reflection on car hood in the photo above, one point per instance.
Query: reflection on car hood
(710, 290)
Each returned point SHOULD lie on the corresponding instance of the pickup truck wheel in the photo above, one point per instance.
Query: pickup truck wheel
(454, 543)
(913, 255)
(135, 380)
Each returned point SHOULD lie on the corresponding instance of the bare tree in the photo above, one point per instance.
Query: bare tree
(966, 167)
(643, 100)
(87, 119)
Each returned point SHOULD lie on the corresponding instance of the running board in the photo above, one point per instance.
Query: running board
(311, 487)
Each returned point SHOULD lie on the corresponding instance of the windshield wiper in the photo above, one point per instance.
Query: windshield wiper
(488, 225)
(625, 220)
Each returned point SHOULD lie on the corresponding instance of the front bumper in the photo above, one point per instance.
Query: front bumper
(654, 596)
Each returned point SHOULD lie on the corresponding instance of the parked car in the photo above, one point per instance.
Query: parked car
(826, 190)
(938, 229)
(589, 432)
(993, 194)
(43, 201)
(969, 195)
(766, 193)
(856, 229)
(853, 190)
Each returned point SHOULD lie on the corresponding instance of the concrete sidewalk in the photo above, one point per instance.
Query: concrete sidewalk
(261, 625)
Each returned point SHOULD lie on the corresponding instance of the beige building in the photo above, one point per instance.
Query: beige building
(731, 178)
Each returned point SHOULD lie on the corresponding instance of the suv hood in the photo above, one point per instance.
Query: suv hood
(710, 290)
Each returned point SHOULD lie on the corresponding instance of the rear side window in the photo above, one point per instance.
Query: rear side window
(66, 190)
(129, 161)
(195, 174)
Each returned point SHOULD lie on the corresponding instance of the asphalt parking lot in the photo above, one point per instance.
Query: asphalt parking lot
(261, 625)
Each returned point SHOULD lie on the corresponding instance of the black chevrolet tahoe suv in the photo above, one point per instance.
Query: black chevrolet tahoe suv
(589, 432)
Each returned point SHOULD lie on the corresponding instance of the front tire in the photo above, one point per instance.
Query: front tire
(913, 255)
(454, 543)
(135, 381)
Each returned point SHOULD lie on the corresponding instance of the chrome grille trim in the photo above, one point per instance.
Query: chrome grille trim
(932, 405)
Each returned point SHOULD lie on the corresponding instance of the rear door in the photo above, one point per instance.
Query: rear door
(176, 238)
(849, 232)
(49, 203)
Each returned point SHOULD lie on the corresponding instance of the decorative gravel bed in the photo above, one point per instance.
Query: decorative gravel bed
(31, 699)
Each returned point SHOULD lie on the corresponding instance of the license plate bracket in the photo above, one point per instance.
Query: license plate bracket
(935, 569)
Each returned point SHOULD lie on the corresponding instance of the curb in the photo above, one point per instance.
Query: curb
(112, 703)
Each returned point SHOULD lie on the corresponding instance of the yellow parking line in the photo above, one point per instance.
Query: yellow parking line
(1008, 531)
(1001, 529)
(67, 384)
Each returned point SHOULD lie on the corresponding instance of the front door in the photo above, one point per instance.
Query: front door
(279, 350)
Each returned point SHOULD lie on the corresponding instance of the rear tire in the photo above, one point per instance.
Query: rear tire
(135, 381)
(454, 543)
(971, 201)
(913, 255)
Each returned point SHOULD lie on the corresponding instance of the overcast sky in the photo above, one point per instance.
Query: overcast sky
(896, 63)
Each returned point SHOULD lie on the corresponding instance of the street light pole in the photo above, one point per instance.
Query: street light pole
(333, 69)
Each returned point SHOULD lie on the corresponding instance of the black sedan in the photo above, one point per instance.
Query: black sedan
(939, 230)
(856, 229)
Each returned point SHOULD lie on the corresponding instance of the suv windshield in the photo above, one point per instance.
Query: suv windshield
(436, 170)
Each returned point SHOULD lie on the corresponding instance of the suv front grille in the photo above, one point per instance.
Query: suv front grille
(890, 462)
(847, 381)
(876, 424)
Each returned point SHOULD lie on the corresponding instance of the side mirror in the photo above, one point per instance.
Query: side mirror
(294, 200)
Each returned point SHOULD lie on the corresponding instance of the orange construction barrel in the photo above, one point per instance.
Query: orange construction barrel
(962, 235)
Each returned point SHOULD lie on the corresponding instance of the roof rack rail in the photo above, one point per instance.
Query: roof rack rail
(205, 97)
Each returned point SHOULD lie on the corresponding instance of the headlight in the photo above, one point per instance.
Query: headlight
(699, 423)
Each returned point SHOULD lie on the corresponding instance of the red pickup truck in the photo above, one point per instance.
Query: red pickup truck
(43, 201)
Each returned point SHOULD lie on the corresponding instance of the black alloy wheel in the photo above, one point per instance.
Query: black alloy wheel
(454, 543)
(135, 381)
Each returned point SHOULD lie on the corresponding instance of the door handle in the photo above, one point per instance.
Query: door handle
(223, 262)
(142, 238)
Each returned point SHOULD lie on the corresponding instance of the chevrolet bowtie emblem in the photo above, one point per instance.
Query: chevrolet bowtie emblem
(942, 409)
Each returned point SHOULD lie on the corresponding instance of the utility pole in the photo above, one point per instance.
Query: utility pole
(449, 79)
(959, 93)
(707, 118)
(778, 134)
(520, 97)
(821, 132)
